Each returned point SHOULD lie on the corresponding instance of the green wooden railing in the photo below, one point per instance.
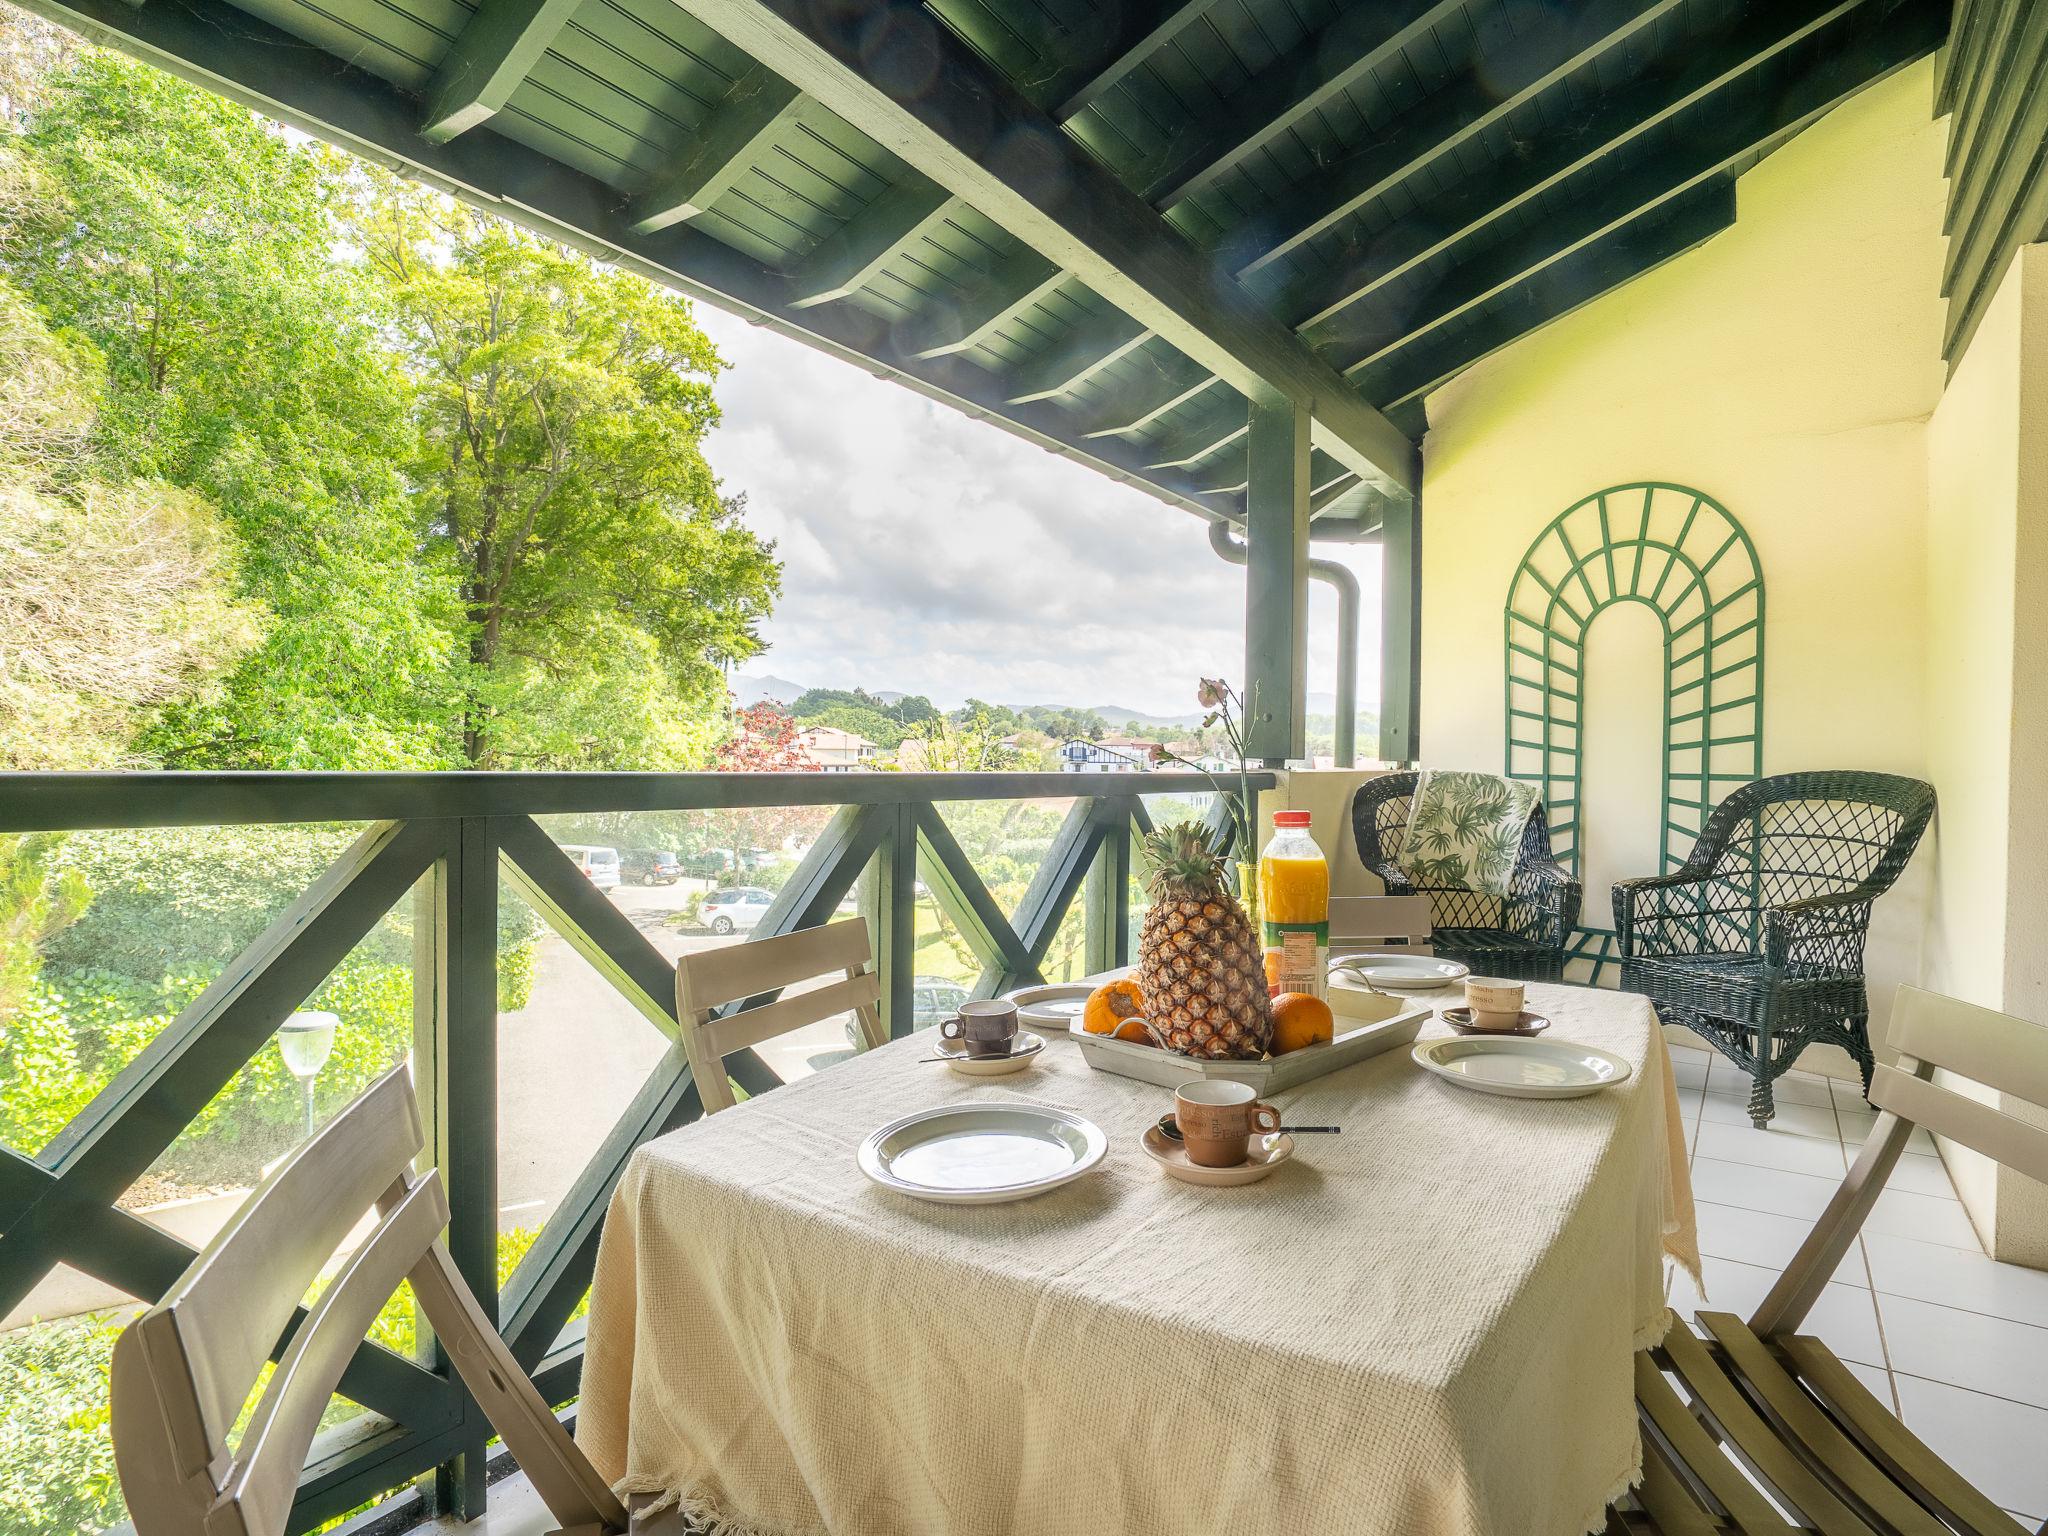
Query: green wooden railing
(443, 840)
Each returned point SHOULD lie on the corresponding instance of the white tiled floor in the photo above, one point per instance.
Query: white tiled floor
(1956, 1342)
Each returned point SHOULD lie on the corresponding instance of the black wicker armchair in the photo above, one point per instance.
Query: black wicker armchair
(1757, 941)
(1520, 935)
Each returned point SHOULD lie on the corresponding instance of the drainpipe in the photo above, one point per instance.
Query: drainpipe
(1223, 539)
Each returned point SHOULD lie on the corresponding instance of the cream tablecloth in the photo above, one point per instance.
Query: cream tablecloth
(1424, 1325)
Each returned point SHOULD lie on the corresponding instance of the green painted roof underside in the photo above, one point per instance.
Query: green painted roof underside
(1406, 185)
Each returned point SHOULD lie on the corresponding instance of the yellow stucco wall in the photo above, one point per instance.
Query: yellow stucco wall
(1788, 368)
(1987, 656)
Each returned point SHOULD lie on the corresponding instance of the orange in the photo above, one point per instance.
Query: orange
(1300, 1020)
(1110, 1005)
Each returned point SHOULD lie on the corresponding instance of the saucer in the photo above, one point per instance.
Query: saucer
(1529, 1023)
(1022, 1049)
(1267, 1153)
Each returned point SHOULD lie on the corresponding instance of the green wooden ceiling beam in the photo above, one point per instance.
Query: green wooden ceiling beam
(1075, 361)
(1019, 282)
(1136, 404)
(856, 253)
(1182, 445)
(1822, 71)
(719, 152)
(485, 64)
(1614, 118)
(894, 72)
(1323, 497)
(1516, 71)
(225, 49)
(1311, 75)
(1126, 34)
(1555, 291)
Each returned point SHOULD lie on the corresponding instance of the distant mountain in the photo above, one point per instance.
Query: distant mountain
(750, 691)
(1117, 714)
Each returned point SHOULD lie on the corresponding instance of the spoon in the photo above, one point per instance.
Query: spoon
(1171, 1131)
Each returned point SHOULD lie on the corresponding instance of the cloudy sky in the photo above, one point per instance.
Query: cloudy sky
(929, 553)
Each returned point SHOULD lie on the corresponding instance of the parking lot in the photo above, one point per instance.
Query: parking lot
(572, 1058)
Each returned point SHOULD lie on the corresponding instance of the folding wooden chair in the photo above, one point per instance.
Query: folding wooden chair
(1780, 1404)
(183, 1369)
(711, 978)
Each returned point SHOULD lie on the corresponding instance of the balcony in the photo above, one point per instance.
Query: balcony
(1680, 363)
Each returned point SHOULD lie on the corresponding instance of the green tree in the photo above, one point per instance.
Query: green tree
(603, 580)
(196, 248)
(881, 729)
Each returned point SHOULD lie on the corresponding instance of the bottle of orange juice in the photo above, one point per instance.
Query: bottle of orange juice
(1294, 902)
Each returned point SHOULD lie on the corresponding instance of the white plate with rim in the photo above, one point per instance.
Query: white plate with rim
(1412, 972)
(982, 1154)
(1023, 1047)
(1050, 1008)
(1522, 1068)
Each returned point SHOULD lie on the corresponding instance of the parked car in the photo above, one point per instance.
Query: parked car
(600, 864)
(650, 866)
(737, 910)
(934, 1000)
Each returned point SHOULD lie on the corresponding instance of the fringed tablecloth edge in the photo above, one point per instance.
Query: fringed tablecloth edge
(704, 1517)
(1622, 1485)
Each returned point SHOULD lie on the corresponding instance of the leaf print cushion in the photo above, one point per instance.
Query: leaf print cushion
(1465, 829)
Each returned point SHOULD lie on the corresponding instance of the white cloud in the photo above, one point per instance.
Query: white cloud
(928, 552)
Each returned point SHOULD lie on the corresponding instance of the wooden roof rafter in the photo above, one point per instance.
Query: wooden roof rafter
(986, 199)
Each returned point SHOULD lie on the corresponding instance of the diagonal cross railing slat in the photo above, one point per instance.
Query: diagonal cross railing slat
(450, 839)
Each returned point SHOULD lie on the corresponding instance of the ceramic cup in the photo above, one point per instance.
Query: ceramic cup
(1217, 1119)
(986, 1028)
(1495, 1004)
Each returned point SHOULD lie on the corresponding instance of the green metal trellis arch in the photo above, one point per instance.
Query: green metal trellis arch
(1684, 556)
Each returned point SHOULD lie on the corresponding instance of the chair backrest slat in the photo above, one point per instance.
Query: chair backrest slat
(182, 1370)
(273, 1449)
(242, 1290)
(1945, 1112)
(2002, 1053)
(793, 1010)
(1981, 1044)
(721, 976)
(713, 977)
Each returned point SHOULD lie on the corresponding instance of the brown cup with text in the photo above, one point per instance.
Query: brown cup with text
(1217, 1120)
(986, 1028)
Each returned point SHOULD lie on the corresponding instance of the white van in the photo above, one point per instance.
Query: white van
(600, 864)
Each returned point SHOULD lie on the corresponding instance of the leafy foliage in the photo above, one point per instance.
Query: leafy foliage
(457, 465)
(560, 408)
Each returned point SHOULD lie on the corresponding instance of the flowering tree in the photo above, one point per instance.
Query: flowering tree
(764, 740)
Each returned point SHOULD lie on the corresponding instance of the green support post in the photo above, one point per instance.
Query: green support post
(888, 901)
(456, 1056)
(1109, 896)
(1400, 630)
(1276, 584)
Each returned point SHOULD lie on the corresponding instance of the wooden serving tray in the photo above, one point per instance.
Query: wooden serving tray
(1368, 1023)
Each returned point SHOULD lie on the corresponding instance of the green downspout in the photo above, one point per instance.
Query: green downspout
(1222, 539)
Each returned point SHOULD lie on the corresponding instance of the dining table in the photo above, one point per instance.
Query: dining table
(1425, 1324)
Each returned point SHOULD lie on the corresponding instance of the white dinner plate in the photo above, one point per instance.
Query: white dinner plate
(982, 1154)
(1411, 972)
(1023, 1047)
(1522, 1068)
(1050, 1008)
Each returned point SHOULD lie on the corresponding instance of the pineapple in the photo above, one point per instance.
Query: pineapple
(1201, 971)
